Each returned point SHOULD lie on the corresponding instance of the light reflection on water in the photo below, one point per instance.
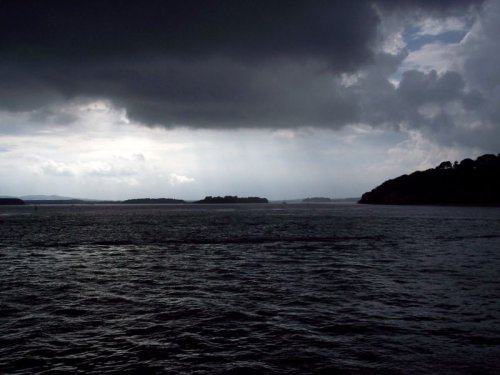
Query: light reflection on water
(261, 289)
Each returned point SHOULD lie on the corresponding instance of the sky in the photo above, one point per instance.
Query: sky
(279, 99)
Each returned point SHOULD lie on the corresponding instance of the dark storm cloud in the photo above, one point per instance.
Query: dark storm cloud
(218, 93)
(196, 63)
(338, 31)
(428, 6)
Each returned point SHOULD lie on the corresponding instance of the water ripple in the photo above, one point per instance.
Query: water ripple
(327, 289)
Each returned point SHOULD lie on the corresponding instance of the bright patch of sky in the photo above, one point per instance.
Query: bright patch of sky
(415, 40)
(430, 44)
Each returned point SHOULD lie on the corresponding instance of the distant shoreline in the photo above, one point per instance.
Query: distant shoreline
(135, 201)
(56, 200)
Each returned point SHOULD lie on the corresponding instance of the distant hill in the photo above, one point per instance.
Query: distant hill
(232, 199)
(470, 182)
(153, 201)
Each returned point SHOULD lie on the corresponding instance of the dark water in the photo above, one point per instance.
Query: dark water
(249, 289)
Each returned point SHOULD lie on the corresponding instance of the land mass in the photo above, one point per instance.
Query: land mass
(11, 202)
(470, 182)
(53, 199)
(232, 199)
(153, 201)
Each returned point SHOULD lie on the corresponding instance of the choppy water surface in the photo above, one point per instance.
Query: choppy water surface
(249, 289)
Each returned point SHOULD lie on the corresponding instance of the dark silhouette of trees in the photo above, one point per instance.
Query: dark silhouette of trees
(232, 199)
(153, 201)
(466, 183)
(444, 165)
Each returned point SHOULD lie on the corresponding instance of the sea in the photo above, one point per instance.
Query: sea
(249, 289)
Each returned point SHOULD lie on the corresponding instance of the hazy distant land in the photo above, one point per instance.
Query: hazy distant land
(329, 200)
(317, 200)
(470, 182)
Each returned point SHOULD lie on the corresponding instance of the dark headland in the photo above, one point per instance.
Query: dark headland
(11, 202)
(468, 183)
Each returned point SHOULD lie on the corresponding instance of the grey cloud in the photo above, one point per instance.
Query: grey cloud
(441, 107)
(56, 169)
(481, 62)
(108, 170)
(416, 91)
(51, 116)
(418, 88)
(5, 148)
(23, 88)
(473, 100)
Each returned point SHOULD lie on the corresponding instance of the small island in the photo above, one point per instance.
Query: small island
(468, 183)
(11, 202)
(232, 199)
(153, 201)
